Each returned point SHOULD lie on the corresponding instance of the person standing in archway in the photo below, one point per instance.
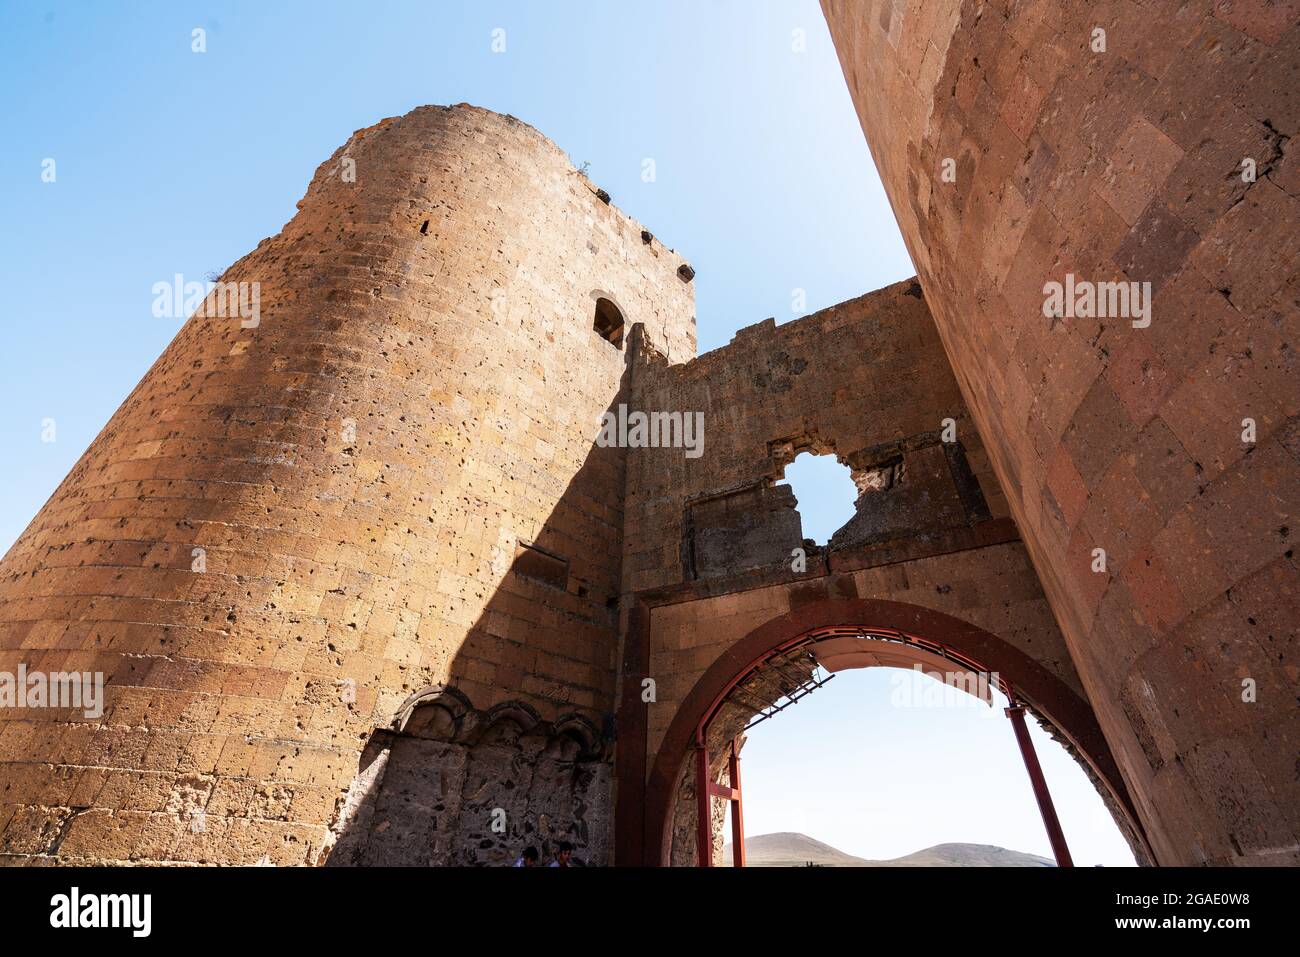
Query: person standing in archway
(528, 858)
(563, 855)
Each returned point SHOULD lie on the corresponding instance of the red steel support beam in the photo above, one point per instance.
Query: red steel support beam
(703, 793)
(1045, 807)
(737, 816)
(705, 789)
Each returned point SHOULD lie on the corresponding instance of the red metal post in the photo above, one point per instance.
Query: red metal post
(704, 801)
(1045, 807)
(737, 816)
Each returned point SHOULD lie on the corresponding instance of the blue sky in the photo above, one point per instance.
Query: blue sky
(170, 161)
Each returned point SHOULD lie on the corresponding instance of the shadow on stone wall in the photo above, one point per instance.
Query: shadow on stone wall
(516, 747)
(462, 787)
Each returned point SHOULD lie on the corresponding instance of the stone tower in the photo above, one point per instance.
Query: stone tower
(295, 533)
(1024, 143)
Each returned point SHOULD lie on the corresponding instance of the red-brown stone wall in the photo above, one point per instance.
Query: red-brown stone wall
(1125, 165)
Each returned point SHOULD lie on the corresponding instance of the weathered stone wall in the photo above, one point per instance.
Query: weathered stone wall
(1125, 164)
(866, 379)
(708, 551)
(458, 786)
(361, 471)
(992, 587)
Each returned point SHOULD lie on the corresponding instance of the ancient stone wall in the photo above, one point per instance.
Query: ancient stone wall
(452, 785)
(388, 484)
(992, 587)
(359, 575)
(1028, 143)
(866, 380)
(710, 544)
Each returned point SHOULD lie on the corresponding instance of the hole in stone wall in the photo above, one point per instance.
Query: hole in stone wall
(826, 494)
(609, 322)
(424, 228)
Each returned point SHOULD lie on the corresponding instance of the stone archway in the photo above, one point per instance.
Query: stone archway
(891, 632)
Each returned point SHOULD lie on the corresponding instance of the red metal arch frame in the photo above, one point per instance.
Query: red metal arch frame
(841, 631)
(1020, 677)
(706, 789)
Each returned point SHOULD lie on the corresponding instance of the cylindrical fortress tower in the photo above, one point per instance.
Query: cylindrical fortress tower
(1149, 448)
(383, 494)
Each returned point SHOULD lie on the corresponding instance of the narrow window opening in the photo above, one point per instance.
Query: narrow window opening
(424, 228)
(609, 322)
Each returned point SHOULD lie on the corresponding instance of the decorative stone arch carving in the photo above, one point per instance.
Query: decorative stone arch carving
(493, 722)
(581, 730)
(459, 711)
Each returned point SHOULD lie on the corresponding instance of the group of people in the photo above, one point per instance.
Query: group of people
(530, 857)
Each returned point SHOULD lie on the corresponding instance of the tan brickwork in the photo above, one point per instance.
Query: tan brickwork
(418, 402)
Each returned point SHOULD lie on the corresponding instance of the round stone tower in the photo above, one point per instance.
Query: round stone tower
(370, 506)
(1101, 203)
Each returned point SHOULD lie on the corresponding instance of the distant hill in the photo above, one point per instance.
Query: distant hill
(792, 850)
(969, 855)
(796, 850)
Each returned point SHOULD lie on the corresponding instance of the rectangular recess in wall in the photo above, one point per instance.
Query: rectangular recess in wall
(540, 565)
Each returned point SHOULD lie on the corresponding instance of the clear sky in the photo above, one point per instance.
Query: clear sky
(170, 161)
(865, 767)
